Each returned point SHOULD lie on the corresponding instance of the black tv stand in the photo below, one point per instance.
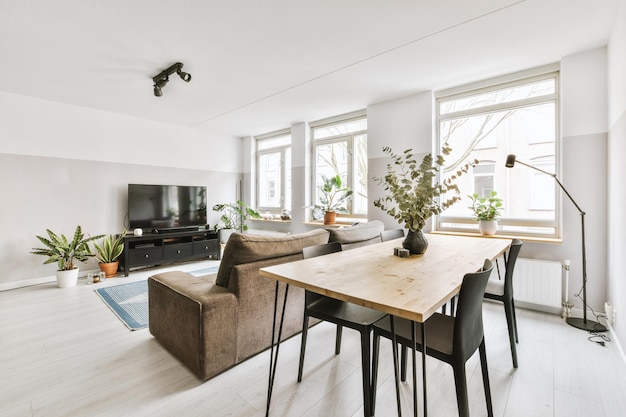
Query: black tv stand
(169, 246)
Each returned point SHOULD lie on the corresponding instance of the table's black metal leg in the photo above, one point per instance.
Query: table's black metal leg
(274, 358)
(423, 326)
(394, 347)
(413, 357)
(413, 340)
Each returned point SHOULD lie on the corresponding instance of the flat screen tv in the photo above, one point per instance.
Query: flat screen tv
(166, 207)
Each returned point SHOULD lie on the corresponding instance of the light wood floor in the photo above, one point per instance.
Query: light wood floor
(64, 353)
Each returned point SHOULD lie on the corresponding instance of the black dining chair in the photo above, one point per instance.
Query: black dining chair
(450, 339)
(386, 235)
(344, 314)
(502, 290)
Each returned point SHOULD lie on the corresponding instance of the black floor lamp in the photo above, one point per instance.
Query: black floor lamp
(583, 323)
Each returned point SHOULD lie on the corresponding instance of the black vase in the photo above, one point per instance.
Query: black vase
(415, 242)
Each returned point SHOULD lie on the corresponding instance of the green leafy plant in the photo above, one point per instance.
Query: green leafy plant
(64, 252)
(234, 215)
(413, 194)
(110, 249)
(333, 196)
(486, 208)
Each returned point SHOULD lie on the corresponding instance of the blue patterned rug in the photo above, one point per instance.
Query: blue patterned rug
(129, 301)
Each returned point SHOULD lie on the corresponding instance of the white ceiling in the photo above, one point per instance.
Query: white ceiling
(262, 65)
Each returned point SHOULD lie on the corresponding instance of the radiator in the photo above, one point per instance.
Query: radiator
(537, 284)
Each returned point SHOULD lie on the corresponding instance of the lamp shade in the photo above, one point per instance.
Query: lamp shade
(510, 161)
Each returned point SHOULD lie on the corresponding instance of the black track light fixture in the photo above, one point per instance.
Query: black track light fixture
(185, 76)
(162, 78)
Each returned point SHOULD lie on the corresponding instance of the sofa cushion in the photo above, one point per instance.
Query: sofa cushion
(358, 235)
(246, 248)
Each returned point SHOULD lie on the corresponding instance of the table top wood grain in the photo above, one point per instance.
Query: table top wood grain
(371, 276)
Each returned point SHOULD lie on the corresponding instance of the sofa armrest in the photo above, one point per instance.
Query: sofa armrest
(195, 320)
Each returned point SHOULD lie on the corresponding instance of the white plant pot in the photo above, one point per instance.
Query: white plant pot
(225, 235)
(67, 279)
(488, 227)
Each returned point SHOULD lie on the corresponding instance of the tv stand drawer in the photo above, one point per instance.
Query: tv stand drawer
(177, 251)
(145, 256)
(210, 248)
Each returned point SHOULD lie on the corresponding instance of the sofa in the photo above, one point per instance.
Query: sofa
(214, 322)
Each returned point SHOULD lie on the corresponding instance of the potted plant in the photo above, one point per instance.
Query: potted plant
(233, 218)
(333, 196)
(108, 252)
(413, 195)
(486, 211)
(65, 253)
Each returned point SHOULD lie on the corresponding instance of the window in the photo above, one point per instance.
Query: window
(340, 148)
(274, 172)
(484, 178)
(514, 116)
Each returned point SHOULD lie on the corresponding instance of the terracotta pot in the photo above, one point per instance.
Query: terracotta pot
(109, 269)
(330, 217)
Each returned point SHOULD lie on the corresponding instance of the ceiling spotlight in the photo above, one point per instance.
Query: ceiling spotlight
(185, 76)
(162, 78)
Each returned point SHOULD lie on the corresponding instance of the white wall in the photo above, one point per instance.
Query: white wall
(62, 165)
(616, 286)
(406, 123)
(300, 174)
(585, 135)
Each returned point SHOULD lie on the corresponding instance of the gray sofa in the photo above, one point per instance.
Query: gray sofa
(213, 322)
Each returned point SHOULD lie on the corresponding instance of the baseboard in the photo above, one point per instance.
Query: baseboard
(615, 339)
(538, 307)
(13, 285)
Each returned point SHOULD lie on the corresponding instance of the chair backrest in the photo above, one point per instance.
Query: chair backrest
(516, 245)
(386, 235)
(312, 252)
(319, 250)
(468, 323)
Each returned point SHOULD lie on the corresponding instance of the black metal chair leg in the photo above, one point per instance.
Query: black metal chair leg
(403, 365)
(338, 339)
(483, 364)
(375, 358)
(460, 383)
(510, 321)
(366, 374)
(515, 320)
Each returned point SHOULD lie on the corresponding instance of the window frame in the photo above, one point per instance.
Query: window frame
(282, 149)
(349, 138)
(538, 228)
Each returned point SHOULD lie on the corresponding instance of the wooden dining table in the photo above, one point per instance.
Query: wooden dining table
(372, 276)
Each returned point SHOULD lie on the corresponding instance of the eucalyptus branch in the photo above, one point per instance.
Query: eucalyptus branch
(412, 193)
